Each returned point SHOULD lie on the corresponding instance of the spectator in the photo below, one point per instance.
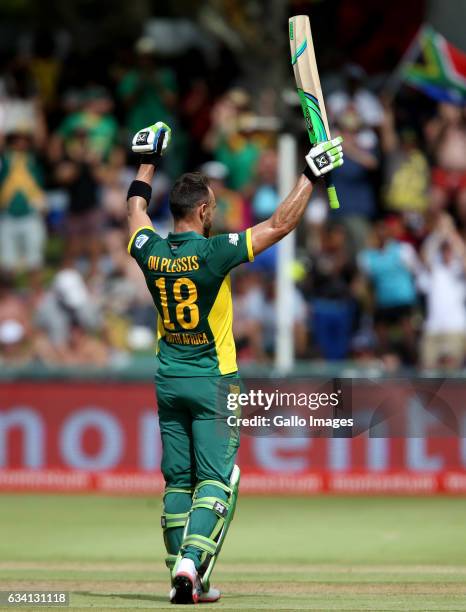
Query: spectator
(390, 266)
(255, 316)
(93, 117)
(265, 199)
(20, 108)
(354, 97)
(299, 317)
(354, 180)
(80, 173)
(150, 92)
(22, 203)
(240, 152)
(196, 110)
(232, 138)
(407, 174)
(249, 302)
(329, 287)
(446, 137)
(231, 214)
(116, 177)
(443, 280)
(84, 349)
(68, 302)
(46, 69)
(224, 116)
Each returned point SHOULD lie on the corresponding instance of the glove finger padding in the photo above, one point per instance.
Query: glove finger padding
(334, 150)
(334, 142)
(333, 157)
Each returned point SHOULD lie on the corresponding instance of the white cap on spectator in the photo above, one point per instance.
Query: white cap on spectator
(71, 289)
(215, 170)
(11, 331)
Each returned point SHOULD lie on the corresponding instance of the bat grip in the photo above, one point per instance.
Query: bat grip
(332, 192)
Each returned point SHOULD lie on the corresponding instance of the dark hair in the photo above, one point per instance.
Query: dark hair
(188, 191)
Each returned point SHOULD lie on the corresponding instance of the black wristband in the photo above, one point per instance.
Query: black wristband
(150, 158)
(140, 189)
(310, 175)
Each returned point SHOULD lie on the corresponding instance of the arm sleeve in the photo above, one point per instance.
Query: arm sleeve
(226, 251)
(141, 243)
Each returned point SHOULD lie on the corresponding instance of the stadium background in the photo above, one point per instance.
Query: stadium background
(77, 78)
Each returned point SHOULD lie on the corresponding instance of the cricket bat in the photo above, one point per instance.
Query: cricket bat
(303, 60)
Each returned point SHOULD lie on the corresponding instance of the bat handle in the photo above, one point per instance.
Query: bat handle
(332, 192)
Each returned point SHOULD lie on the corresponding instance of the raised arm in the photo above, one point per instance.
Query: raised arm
(321, 159)
(137, 204)
(285, 218)
(150, 142)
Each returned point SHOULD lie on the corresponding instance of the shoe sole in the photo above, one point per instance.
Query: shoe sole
(185, 592)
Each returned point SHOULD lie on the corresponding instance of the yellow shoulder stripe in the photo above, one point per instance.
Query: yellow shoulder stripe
(249, 244)
(130, 243)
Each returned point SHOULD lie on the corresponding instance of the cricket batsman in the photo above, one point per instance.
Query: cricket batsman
(187, 274)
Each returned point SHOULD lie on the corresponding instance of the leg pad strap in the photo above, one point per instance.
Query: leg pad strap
(219, 506)
(169, 521)
(206, 544)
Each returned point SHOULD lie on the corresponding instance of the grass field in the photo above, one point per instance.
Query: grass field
(324, 553)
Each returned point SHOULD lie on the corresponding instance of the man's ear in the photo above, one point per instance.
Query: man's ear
(203, 209)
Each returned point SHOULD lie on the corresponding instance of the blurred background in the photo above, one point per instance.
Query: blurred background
(380, 282)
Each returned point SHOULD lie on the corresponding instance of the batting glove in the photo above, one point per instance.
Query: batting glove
(325, 156)
(151, 142)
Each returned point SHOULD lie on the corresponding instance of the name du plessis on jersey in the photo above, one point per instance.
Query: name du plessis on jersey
(177, 264)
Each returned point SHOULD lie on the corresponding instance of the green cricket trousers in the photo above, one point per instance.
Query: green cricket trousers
(198, 445)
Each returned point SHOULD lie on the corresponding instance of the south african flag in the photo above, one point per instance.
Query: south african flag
(436, 67)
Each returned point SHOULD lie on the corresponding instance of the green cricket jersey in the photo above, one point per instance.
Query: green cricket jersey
(188, 277)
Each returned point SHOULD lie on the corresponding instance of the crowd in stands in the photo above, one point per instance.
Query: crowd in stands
(380, 282)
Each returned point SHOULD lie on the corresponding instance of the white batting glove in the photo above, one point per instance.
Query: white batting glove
(152, 140)
(325, 156)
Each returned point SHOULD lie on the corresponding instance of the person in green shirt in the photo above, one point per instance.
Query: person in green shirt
(187, 274)
(148, 90)
(95, 120)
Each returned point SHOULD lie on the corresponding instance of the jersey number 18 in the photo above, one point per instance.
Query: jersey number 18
(183, 304)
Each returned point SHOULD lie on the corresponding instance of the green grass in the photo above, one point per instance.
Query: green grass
(321, 553)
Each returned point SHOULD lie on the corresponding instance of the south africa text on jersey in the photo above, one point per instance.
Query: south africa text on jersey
(178, 264)
(183, 338)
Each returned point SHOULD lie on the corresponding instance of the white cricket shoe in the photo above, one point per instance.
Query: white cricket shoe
(186, 584)
(211, 596)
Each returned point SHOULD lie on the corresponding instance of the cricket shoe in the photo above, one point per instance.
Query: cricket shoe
(186, 584)
(211, 596)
